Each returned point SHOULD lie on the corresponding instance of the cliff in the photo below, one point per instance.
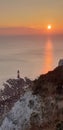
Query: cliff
(50, 83)
(39, 105)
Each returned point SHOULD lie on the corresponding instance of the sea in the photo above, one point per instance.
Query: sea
(31, 55)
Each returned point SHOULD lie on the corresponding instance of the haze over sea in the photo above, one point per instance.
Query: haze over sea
(32, 55)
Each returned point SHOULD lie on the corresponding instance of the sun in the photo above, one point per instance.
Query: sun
(49, 27)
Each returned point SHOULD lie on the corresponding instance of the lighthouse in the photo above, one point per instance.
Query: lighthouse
(18, 74)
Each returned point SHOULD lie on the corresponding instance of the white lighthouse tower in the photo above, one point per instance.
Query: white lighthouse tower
(18, 74)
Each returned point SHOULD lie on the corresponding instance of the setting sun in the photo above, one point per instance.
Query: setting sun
(49, 27)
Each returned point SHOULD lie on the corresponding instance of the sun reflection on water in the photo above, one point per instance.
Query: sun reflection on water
(48, 58)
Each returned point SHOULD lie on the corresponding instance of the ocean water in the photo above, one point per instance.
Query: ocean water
(32, 55)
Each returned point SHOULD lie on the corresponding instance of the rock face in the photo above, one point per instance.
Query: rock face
(30, 111)
(39, 107)
(26, 111)
(52, 82)
(13, 89)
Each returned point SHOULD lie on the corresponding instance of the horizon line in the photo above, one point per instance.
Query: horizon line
(23, 30)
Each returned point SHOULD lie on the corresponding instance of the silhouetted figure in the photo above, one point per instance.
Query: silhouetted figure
(18, 74)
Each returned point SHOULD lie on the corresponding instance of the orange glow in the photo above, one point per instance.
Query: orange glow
(48, 57)
(26, 30)
(19, 31)
(49, 27)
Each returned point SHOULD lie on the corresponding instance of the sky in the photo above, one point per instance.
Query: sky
(30, 16)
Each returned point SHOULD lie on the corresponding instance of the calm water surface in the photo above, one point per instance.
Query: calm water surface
(32, 55)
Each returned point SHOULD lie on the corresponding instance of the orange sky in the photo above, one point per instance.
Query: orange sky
(25, 16)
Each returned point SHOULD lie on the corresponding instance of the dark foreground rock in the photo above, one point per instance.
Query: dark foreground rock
(39, 104)
(50, 83)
